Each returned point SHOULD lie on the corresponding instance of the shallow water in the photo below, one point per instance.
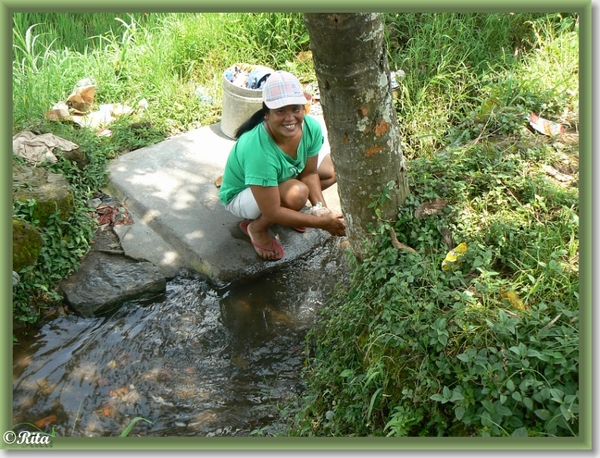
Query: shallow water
(194, 361)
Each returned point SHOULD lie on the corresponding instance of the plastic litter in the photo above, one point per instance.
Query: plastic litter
(203, 95)
(545, 126)
(395, 76)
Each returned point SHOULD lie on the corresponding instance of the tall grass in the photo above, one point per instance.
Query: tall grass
(163, 58)
(462, 83)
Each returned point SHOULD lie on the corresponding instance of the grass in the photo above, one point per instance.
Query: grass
(488, 347)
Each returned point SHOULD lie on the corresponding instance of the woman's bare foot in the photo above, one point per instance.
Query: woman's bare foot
(264, 245)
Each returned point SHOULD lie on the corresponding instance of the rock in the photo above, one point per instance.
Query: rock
(27, 245)
(77, 156)
(94, 203)
(50, 190)
(104, 281)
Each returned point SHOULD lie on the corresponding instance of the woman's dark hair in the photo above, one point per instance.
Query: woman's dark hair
(252, 121)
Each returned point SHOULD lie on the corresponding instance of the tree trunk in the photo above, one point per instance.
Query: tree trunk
(354, 82)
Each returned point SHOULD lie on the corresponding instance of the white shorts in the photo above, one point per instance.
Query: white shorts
(244, 204)
(322, 154)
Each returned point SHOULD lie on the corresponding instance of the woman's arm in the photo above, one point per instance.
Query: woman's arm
(269, 202)
(310, 177)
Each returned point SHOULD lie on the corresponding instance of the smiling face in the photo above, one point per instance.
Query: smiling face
(285, 122)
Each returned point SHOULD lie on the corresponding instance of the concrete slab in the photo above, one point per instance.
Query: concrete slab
(179, 222)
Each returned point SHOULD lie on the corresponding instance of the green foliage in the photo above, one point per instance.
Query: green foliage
(129, 427)
(66, 241)
(489, 347)
(408, 349)
(462, 88)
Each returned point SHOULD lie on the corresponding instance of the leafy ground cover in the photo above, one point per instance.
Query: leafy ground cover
(489, 345)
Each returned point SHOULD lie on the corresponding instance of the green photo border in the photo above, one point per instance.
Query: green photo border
(584, 442)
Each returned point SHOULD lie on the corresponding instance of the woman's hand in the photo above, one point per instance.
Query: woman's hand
(335, 224)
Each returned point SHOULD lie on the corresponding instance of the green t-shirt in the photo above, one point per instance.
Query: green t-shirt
(255, 159)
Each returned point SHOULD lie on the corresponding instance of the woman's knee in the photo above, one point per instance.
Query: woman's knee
(294, 194)
(326, 172)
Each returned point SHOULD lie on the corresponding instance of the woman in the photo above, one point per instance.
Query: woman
(273, 169)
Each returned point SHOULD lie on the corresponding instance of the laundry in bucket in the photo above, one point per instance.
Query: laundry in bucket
(248, 76)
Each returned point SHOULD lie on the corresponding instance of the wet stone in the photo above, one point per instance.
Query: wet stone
(105, 281)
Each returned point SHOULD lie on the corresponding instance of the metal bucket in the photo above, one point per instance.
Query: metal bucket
(239, 103)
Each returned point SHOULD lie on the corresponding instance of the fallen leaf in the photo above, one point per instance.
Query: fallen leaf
(513, 298)
(453, 256)
(430, 208)
(398, 245)
(45, 422)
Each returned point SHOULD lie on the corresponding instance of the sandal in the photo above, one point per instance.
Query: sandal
(274, 248)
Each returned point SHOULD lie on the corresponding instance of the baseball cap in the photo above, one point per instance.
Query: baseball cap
(282, 89)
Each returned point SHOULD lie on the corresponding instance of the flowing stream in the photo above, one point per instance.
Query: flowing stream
(195, 361)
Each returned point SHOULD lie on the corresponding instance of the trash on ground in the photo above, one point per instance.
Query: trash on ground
(395, 76)
(37, 149)
(82, 98)
(109, 212)
(78, 109)
(545, 126)
(453, 256)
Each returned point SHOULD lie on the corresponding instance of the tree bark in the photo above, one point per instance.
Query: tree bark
(355, 88)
